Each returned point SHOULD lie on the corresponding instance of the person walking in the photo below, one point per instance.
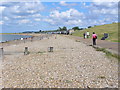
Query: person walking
(94, 37)
(88, 34)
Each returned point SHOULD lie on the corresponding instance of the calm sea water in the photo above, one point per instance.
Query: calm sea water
(4, 38)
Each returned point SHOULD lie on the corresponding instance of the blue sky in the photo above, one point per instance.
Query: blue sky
(37, 15)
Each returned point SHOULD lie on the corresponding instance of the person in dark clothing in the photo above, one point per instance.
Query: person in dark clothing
(84, 35)
(94, 37)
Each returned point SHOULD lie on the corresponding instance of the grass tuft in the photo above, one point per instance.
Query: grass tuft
(41, 52)
(77, 40)
(108, 53)
(68, 81)
(101, 77)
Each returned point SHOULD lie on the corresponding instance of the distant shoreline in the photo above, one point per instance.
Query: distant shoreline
(24, 34)
(30, 34)
(9, 33)
(11, 37)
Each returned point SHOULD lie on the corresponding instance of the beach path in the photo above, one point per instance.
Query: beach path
(111, 46)
(71, 65)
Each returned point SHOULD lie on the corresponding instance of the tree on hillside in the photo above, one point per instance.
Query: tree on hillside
(89, 26)
(40, 31)
(60, 29)
(64, 28)
(76, 28)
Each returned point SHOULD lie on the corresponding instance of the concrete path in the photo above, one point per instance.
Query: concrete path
(112, 46)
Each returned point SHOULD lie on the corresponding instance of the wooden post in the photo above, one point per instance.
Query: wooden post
(24, 40)
(26, 52)
(31, 39)
(1, 52)
(50, 49)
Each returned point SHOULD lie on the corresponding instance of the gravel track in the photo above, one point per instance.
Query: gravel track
(71, 65)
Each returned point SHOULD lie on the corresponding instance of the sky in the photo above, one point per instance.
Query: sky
(19, 16)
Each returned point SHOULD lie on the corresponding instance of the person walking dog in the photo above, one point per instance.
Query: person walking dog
(94, 37)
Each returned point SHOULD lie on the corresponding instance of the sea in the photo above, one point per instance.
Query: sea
(10, 37)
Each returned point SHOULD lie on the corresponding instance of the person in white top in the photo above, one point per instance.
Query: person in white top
(21, 38)
(88, 34)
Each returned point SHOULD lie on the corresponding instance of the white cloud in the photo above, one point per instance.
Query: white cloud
(36, 6)
(19, 17)
(19, 12)
(24, 21)
(1, 22)
(49, 21)
(71, 13)
(105, 4)
(104, 8)
(69, 17)
(105, 0)
(102, 12)
(74, 12)
(13, 9)
(24, 8)
(99, 13)
(6, 18)
(84, 4)
(58, 8)
(105, 11)
(63, 3)
(73, 22)
(2, 9)
(31, 11)
(36, 15)
(3, 1)
(37, 19)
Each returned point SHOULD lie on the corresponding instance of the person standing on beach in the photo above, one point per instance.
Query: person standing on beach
(21, 38)
(88, 34)
(84, 35)
(94, 37)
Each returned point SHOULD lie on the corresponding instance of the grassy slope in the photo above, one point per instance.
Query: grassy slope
(112, 29)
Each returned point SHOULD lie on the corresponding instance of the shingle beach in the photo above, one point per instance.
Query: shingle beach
(72, 64)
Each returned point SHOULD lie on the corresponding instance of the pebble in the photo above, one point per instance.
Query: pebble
(81, 65)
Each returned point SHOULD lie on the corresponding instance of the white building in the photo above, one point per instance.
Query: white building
(71, 31)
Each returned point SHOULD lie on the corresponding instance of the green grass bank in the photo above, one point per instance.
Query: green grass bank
(111, 29)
